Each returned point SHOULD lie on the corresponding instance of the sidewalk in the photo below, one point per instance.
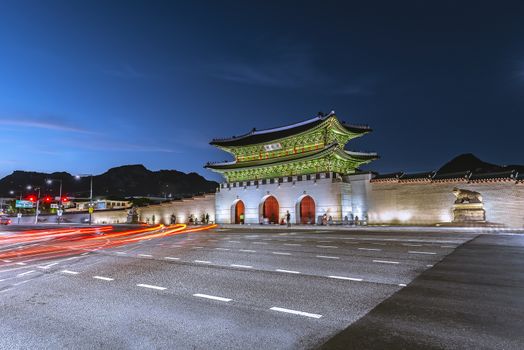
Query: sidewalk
(473, 299)
(381, 228)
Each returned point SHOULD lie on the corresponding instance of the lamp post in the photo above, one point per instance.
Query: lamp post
(90, 193)
(29, 187)
(49, 182)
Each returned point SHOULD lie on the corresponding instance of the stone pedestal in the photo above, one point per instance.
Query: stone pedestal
(469, 212)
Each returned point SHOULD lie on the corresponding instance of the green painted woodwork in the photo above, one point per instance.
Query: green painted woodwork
(319, 149)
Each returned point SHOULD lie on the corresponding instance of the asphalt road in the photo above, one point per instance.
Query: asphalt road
(223, 289)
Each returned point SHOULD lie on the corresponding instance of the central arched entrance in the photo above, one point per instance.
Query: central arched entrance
(306, 211)
(240, 212)
(270, 210)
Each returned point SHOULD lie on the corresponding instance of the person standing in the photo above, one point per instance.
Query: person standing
(288, 219)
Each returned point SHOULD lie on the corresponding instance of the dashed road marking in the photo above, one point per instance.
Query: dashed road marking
(281, 253)
(25, 273)
(146, 255)
(21, 263)
(293, 244)
(45, 267)
(287, 271)
(385, 262)
(260, 243)
(222, 248)
(171, 258)
(411, 245)
(416, 252)
(327, 257)
(69, 272)
(121, 253)
(242, 266)
(104, 278)
(295, 312)
(212, 297)
(150, 286)
(402, 285)
(247, 251)
(326, 246)
(202, 261)
(371, 249)
(346, 278)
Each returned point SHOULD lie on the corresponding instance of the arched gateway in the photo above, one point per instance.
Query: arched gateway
(306, 210)
(270, 210)
(239, 210)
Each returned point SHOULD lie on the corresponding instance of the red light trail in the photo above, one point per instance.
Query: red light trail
(53, 243)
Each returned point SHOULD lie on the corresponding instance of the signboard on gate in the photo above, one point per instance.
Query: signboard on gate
(23, 204)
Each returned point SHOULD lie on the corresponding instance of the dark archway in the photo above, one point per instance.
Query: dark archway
(270, 209)
(240, 209)
(307, 210)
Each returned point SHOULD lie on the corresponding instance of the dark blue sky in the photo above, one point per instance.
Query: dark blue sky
(88, 85)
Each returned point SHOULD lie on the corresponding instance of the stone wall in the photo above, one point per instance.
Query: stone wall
(197, 206)
(326, 194)
(426, 202)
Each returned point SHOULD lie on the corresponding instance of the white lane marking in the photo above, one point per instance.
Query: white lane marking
(212, 297)
(21, 282)
(346, 278)
(202, 261)
(47, 266)
(242, 266)
(104, 278)
(21, 263)
(372, 249)
(176, 246)
(7, 260)
(222, 248)
(385, 262)
(150, 286)
(429, 265)
(448, 246)
(325, 241)
(327, 257)
(281, 253)
(416, 252)
(25, 273)
(293, 244)
(326, 246)
(121, 253)
(72, 258)
(267, 239)
(402, 285)
(247, 250)
(198, 247)
(145, 255)
(287, 271)
(171, 258)
(411, 245)
(295, 312)
(69, 272)
(234, 241)
(260, 243)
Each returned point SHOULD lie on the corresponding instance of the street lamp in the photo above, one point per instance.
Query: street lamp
(78, 177)
(49, 182)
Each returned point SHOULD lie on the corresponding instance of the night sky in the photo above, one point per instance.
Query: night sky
(88, 85)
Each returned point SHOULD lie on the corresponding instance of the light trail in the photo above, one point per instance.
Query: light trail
(54, 243)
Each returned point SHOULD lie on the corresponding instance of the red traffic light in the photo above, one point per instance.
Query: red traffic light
(64, 199)
(31, 198)
(47, 199)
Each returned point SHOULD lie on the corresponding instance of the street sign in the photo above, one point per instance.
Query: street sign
(54, 205)
(91, 210)
(59, 212)
(23, 204)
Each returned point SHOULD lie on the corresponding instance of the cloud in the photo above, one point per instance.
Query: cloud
(112, 145)
(41, 124)
(126, 71)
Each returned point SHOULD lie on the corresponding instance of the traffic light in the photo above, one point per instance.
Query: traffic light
(31, 198)
(47, 199)
(65, 199)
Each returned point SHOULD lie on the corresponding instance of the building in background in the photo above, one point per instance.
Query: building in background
(301, 168)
